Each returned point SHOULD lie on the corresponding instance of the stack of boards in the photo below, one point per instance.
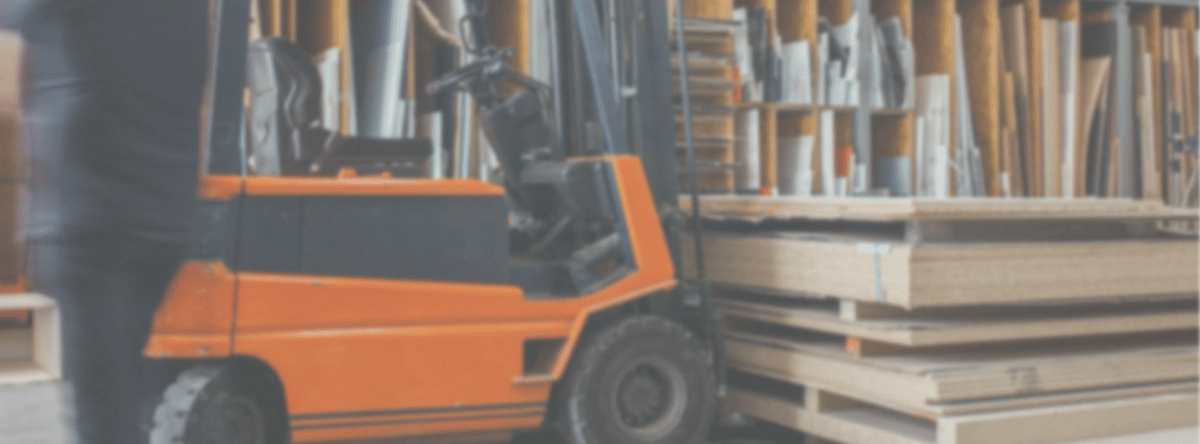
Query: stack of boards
(1012, 321)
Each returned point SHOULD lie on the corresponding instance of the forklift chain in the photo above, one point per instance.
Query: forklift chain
(172, 414)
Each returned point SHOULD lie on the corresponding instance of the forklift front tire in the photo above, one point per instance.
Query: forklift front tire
(643, 380)
(210, 404)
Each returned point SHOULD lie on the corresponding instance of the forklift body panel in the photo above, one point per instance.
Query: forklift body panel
(386, 351)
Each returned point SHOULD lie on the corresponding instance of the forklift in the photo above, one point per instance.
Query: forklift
(334, 299)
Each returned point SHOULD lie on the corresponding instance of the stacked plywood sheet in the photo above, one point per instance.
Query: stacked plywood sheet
(956, 321)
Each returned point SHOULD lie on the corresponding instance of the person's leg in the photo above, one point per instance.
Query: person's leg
(153, 266)
(108, 288)
(85, 283)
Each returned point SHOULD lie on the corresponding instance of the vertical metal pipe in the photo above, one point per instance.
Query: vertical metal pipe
(711, 321)
(223, 110)
(466, 109)
(866, 84)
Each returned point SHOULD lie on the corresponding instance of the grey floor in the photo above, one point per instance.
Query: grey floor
(29, 414)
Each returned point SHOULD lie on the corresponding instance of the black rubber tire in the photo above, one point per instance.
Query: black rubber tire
(640, 358)
(210, 404)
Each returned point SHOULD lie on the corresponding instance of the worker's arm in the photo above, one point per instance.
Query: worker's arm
(13, 11)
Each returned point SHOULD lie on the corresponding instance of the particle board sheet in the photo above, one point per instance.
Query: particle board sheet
(928, 275)
(921, 380)
(862, 423)
(758, 208)
(924, 328)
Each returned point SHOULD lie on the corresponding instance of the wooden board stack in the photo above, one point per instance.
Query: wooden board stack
(956, 321)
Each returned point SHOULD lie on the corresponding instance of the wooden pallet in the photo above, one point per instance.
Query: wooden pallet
(846, 420)
(910, 275)
(876, 326)
(929, 381)
(29, 355)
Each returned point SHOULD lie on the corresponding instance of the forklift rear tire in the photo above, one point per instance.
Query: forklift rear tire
(210, 404)
(643, 380)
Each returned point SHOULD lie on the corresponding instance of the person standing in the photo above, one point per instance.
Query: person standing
(111, 112)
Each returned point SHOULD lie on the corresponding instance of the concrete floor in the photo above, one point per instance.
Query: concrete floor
(29, 414)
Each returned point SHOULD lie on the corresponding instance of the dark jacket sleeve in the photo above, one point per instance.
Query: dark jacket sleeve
(12, 12)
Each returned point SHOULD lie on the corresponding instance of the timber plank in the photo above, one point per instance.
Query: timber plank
(929, 275)
(991, 324)
(902, 430)
(917, 380)
(896, 210)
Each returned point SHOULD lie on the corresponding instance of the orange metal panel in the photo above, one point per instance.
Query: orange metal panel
(367, 186)
(269, 302)
(196, 316)
(338, 371)
(225, 187)
(348, 349)
(515, 421)
(219, 187)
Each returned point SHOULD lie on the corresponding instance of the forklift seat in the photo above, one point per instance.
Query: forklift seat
(286, 135)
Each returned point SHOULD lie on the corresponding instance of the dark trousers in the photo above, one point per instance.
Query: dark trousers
(108, 287)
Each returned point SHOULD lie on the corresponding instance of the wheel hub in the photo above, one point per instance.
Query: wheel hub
(643, 397)
(649, 399)
(236, 421)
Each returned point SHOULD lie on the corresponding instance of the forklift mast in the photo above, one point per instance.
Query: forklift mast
(629, 91)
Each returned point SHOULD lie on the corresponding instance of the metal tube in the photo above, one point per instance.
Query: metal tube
(712, 325)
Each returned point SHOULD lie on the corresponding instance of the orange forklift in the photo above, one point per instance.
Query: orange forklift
(328, 298)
